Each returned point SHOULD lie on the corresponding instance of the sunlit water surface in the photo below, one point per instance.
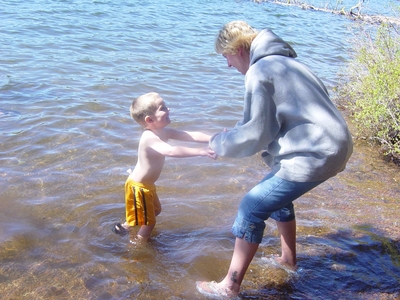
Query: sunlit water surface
(69, 70)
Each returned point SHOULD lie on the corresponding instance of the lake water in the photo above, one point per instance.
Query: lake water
(69, 71)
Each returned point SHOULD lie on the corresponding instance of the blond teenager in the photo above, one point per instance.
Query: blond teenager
(289, 118)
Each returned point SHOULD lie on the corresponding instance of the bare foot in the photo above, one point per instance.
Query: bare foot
(215, 290)
(279, 262)
(138, 240)
(285, 263)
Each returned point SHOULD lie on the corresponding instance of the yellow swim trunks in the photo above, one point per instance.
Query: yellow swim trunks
(141, 203)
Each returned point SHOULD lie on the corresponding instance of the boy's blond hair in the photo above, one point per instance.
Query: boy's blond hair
(234, 35)
(143, 106)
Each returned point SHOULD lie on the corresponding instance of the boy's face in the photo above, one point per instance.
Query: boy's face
(161, 116)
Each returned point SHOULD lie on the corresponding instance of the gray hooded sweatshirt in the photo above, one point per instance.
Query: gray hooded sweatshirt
(287, 115)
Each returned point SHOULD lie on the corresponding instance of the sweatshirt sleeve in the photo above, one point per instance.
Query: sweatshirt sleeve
(251, 135)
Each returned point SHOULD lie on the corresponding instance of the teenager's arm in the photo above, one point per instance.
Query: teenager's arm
(189, 136)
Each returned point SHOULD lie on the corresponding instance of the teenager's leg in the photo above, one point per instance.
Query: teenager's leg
(243, 254)
(271, 195)
(255, 207)
(287, 231)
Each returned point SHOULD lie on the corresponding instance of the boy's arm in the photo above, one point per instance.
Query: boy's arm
(166, 149)
(189, 136)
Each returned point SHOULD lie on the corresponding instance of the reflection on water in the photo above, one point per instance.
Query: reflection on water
(66, 141)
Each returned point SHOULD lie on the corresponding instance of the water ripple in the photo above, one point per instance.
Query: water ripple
(70, 70)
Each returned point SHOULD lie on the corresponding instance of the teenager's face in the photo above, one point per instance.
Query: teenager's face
(240, 60)
(161, 115)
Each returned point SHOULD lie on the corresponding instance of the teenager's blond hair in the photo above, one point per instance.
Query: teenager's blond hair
(142, 106)
(234, 35)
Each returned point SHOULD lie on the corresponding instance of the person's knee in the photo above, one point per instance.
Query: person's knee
(252, 232)
(285, 214)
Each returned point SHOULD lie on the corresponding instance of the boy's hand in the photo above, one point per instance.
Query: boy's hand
(212, 154)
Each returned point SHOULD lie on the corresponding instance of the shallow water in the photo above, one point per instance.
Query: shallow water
(69, 71)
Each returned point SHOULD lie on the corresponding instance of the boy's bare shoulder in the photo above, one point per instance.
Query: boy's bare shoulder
(149, 145)
(164, 134)
(148, 136)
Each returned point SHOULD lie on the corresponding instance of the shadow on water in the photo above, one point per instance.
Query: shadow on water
(357, 264)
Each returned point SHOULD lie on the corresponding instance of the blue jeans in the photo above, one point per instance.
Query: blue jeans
(272, 197)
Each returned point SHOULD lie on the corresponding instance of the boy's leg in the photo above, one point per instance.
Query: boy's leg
(287, 231)
(144, 232)
(157, 205)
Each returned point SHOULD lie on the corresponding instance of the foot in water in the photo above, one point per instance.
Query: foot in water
(120, 229)
(277, 262)
(214, 290)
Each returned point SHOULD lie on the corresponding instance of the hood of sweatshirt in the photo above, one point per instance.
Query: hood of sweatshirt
(268, 43)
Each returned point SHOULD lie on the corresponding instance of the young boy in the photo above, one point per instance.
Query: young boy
(142, 203)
